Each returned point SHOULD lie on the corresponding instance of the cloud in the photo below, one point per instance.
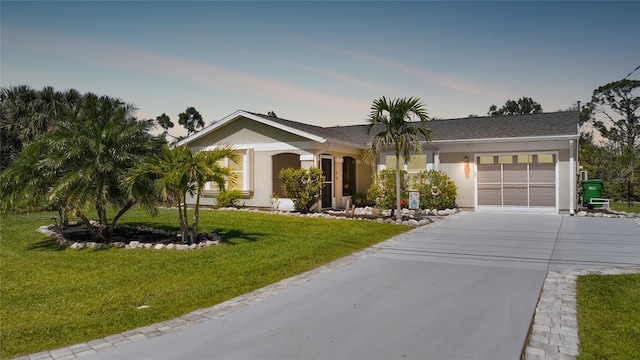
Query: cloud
(428, 77)
(74, 48)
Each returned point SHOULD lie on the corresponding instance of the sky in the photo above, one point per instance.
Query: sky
(322, 62)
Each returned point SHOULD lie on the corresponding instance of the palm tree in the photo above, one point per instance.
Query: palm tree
(178, 174)
(83, 160)
(390, 121)
(26, 113)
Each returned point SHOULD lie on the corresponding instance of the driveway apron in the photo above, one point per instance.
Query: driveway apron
(465, 288)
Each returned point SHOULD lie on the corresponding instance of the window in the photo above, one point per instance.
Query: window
(390, 162)
(241, 168)
(417, 163)
(348, 176)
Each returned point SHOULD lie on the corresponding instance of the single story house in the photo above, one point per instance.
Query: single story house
(506, 163)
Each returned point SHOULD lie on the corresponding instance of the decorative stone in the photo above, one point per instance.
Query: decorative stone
(159, 246)
(581, 213)
(182, 247)
(134, 244)
(78, 245)
(170, 246)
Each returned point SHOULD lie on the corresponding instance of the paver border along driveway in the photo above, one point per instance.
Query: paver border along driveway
(466, 288)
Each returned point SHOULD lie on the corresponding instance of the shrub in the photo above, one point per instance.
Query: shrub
(228, 198)
(383, 189)
(437, 190)
(303, 186)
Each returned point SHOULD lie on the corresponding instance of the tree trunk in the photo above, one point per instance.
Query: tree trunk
(104, 230)
(182, 211)
(194, 227)
(398, 192)
(62, 212)
(126, 208)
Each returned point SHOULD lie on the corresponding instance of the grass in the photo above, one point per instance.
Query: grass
(623, 206)
(52, 296)
(609, 316)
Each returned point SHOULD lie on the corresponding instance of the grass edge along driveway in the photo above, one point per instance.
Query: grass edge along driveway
(52, 296)
(608, 309)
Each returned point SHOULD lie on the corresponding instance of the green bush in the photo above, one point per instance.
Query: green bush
(228, 198)
(437, 190)
(383, 189)
(302, 186)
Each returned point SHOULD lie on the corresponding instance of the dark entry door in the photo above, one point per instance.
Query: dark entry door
(327, 189)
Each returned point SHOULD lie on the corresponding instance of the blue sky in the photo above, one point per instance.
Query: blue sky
(321, 63)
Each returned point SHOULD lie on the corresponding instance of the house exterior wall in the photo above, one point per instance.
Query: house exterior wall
(449, 158)
(452, 163)
(265, 142)
(247, 131)
(261, 142)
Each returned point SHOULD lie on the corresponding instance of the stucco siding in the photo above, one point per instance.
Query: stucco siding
(245, 131)
(452, 163)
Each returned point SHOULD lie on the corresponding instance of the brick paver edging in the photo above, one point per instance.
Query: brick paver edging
(554, 334)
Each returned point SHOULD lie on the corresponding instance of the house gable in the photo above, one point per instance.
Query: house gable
(244, 131)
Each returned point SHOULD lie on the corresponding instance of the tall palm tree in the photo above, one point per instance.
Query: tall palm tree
(391, 125)
(178, 174)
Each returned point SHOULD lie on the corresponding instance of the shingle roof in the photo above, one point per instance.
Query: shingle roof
(330, 133)
(563, 123)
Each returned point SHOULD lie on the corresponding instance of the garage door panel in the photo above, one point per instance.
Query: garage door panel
(518, 181)
(489, 173)
(515, 195)
(543, 195)
(489, 194)
(542, 173)
(515, 173)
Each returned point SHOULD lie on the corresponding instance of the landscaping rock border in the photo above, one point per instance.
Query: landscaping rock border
(606, 213)
(413, 218)
(206, 240)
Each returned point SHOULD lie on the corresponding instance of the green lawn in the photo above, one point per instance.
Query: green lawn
(635, 207)
(52, 296)
(609, 317)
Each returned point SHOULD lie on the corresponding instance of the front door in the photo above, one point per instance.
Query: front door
(327, 189)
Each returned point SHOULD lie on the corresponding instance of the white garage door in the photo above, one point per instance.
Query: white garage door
(518, 182)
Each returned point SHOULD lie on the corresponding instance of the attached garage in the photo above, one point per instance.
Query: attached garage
(512, 182)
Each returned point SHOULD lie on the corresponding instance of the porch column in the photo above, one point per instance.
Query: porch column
(436, 160)
(337, 180)
(307, 161)
(429, 160)
(247, 170)
(572, 178)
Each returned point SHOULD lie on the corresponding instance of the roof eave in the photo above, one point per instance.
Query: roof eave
(241, 113)
(508, 139)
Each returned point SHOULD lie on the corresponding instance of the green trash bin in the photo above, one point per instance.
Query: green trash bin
(591, 189)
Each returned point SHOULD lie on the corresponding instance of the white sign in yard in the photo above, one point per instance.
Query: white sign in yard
(414, 200)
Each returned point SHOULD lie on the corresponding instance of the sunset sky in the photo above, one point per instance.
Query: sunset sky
(321, 63)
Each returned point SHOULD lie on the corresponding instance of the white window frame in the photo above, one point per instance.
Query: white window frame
(246, 188)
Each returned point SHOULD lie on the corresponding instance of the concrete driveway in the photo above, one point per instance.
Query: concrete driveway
(465, 288)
